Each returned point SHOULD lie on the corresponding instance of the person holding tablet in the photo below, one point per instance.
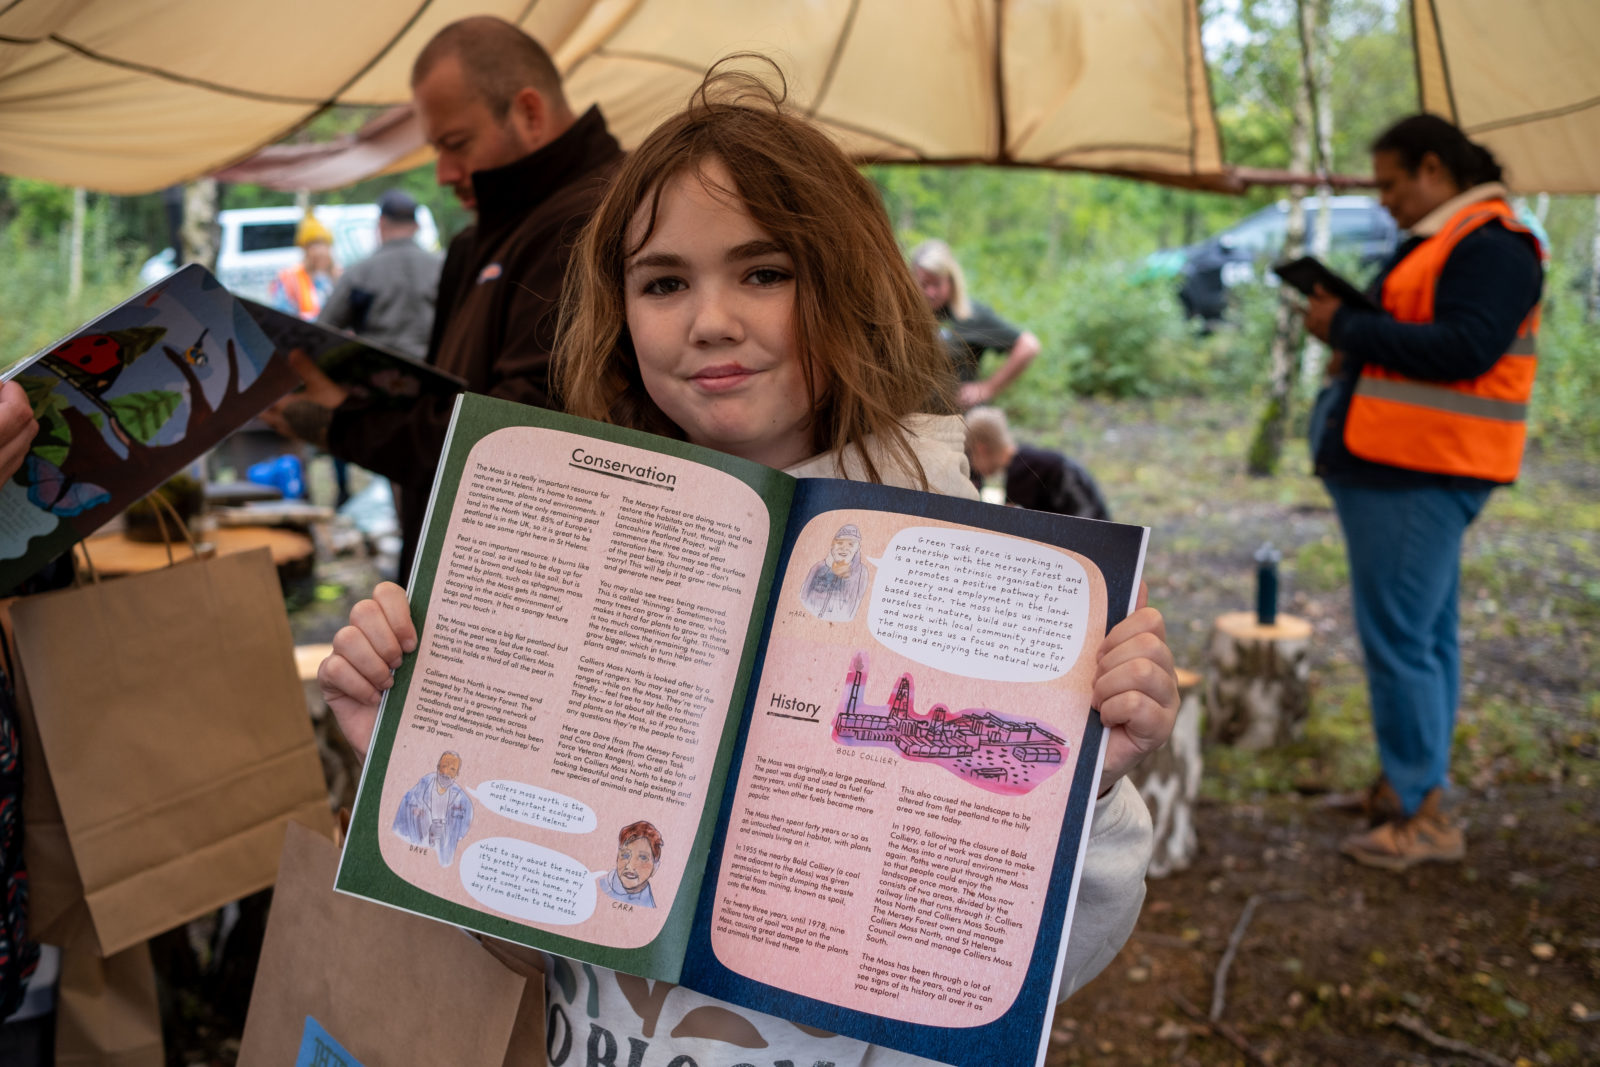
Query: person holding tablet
(1422, 418)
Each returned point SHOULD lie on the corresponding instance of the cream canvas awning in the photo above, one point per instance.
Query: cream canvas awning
(1523, 79)
(128, 96)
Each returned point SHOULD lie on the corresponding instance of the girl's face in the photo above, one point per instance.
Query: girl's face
(710, 305)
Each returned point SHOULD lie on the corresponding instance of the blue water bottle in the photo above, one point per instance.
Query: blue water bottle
(1267, 559)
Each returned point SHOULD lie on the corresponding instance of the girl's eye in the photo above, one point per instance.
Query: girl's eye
(768, 276)
(663, 286)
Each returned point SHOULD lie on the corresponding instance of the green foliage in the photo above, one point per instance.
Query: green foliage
(1106, 335)
(1566, 398)
(1255, 67)
(143, 414)
(1321, 566)
(38, 208)
(34, 310)
(1264, 453)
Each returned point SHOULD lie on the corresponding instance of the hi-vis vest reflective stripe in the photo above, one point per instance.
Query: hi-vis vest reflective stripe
(1475, 427)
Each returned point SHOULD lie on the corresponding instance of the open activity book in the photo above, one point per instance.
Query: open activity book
(125, 402)
(821, 749)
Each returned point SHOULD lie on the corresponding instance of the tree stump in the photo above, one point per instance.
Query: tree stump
(1258, 689)
(1169, 781)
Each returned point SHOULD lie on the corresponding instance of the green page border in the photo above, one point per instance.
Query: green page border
(362, 870)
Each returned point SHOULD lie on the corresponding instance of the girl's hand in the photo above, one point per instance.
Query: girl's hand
(1136, 690)
(365, 656)
(17, 428)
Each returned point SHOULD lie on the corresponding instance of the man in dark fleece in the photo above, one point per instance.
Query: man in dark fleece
(510, 147)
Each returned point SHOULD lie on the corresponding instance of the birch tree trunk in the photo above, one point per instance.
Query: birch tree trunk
(200, 232)
(1594, 269)
(1288, 326)
(1314, 356)
(80, 211)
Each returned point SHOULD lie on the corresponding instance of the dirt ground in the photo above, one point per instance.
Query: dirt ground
(1496, 960)
(1493, 961)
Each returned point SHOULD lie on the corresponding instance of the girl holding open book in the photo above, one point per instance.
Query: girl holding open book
(740, 288)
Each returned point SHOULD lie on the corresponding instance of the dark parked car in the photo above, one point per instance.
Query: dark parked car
(1243, 253)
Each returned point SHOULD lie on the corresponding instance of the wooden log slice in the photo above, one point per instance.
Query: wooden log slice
(1258, 690)
(1169, 781)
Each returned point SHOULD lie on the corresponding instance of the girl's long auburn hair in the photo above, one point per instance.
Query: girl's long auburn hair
(868, 341)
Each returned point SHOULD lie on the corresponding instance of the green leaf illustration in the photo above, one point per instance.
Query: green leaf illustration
(55, 434)
(143, 414)
(137, 340)
(56, 454)
(39, 387)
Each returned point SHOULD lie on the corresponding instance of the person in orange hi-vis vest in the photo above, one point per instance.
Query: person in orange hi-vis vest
(1423, 415)
(302, 288)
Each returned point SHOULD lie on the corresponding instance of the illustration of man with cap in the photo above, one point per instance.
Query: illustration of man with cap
(388, 297)
(302, 288)
(834, 587)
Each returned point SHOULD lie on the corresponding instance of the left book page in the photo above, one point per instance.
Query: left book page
(588, 601)
(126, 402)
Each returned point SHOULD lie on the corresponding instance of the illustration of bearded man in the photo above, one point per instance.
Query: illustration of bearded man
(834, 587)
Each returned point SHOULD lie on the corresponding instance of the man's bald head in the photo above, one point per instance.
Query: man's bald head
(498, 59)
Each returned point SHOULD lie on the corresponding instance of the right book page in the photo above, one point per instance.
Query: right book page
(898, 855)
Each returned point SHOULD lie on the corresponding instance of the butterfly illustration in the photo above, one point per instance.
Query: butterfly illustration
(59, 494)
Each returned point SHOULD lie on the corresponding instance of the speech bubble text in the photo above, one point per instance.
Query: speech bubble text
(535, 806)
(528, 881)
(980, 604)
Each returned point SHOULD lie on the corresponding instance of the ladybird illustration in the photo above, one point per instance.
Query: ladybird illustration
(91, 357)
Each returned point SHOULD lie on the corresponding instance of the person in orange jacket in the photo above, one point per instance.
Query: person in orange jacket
(1423, 416)
(303, 288)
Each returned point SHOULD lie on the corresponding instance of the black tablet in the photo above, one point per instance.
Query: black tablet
(1308, 272)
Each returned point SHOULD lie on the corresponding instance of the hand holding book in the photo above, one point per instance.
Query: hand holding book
(17, 428)
(1136, 690)
(365, 656)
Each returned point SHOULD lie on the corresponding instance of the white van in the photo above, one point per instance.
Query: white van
(258, 242)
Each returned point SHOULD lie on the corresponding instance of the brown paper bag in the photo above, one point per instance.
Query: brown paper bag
(173, 725)
(107, 1011)
(388, 986)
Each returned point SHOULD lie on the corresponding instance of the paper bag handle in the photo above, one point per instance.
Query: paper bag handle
(88, 565)
(158, 502)
(161, 501)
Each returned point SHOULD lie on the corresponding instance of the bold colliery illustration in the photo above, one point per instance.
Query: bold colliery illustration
(990, 750)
